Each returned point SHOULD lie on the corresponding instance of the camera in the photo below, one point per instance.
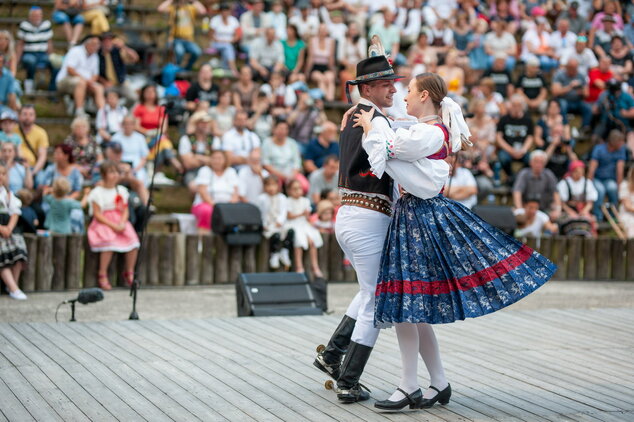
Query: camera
(613, 86)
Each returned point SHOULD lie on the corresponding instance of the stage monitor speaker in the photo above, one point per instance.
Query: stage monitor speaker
(499, 216)
(275, 294)
(240, 223)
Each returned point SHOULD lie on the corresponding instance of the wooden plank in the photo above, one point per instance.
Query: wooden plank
(59, 262)
(545, 247)
(575, 249)
(11, 407)
(221, 260)
(166, 256)
(192, 260)
(629, 274)
(235, 263)
(335, 259)
(618, 260)
(73, 261)
(604, 261)
(27, 282)
(263, 254)
(207, 260)
(559, 246)
(249, 259)
(154, 249)
(44, 276)
(91, 265)
(590, 259)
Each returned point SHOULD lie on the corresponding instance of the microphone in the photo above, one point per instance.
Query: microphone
(86, 296)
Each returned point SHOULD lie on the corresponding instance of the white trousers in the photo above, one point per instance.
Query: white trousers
(361, 233)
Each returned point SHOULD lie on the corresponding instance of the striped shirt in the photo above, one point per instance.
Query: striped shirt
(35, 37)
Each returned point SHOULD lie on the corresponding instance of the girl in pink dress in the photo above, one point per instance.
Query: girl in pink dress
(110, 231)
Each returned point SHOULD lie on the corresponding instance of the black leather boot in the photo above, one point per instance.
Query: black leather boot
(349, 390)
(329, 357)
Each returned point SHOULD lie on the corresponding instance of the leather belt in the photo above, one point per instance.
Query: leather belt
(370, 202)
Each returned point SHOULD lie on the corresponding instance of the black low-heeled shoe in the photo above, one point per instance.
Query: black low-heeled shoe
(414, 400)
(442, 397)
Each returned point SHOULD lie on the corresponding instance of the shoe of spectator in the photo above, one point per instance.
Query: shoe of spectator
(161, 179)
(274, 262)
(80, 112)
(29, 86)
(17, 295)
(285, 259)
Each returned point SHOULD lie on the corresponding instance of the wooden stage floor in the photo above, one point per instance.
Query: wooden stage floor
(544, 365)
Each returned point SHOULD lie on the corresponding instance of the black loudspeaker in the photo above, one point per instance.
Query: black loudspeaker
(275, 294)
(240, 223)
(498, 216)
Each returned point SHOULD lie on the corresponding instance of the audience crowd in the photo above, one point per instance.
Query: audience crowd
(237, 112)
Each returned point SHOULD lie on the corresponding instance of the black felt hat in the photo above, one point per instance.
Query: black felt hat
(375, 68)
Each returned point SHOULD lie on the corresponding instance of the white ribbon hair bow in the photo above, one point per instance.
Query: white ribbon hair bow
(454, 120)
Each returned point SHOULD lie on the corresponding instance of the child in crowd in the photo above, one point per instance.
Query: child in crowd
(12, 247)
(305, 235)
(324, 217)
(8, 124)
(272, 205)
(110, 117)
(532, 222)
(110, 231)
(29, 218)
(61, 204)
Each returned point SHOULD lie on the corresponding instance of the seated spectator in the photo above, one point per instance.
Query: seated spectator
(148, 112)
(94, 15)
(584, 56)
(251, 178)
(324, 217)
(419, 54)
(320, 64)
(607, 164)
(501, 76)
(272, 204)
(493, 100)
(261, 121)
(68, 14)
(562, 39)
(35, 44)
(203, 93)
(621, 57)
(223, 114)
(8, 91)
(266, 55)
(602, 38)
(20, 176)
(253, 23)
(335, 22)
(533, 222)
(501, 41)
(508, 12)
(390, 34)
(478, 158)
(34, 145)
(626, 210)
(162, 153)
(552, 135)
(109, 118)
(324, 178)
(616, 111)
(194, 149)
(294, 55)
(570, 88)
(478, 58)
(215, 184)
(114, 55)
(398, 110)
(598, 79)
(441, 37)
(134, 146)
(539, 183)
(304, 118)
(85, 150)
(238, 142)
(577, 193)
(532, 87)
(536, 43)
(281, 96)
(350, 51)
(454, 76)
(224, 34)
(325, 145)
(306, 21)
(514, 137)
(577, 21)
(462, 186)
(7, 49)
(79, 74)
(608, 8)
(182, 18)
(8, 126)
(245, 90)
(281, 156)
(61, 205)
(462, 35)
(28, 219)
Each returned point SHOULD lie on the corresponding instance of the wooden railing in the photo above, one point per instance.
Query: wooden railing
(174, 259)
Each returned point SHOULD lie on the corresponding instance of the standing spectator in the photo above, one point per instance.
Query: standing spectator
(326, 144)
(182, 20)
(194, 149)
(294, 54)
(585, 57)
(570, 88)
(532, 87)
(34, 144)
(239, 141)
(501, 41)
(537, 182)
(13, 249)
(266, 55)
(8, 91)
(607, 164)
(251, 178)
(134, 146)
(462, 186)
(577, 193)
(203, 93)
(85, 150)
(252, 24)
(109, 118)
(20, 176)
(114, 55)
(35, 44)
(8, 120)
(60, 207)
(320, 65)
(626, 210)
(79, 74)
(304, 118)
(514, 135)
(95, 16)
(214, 184)
(68, 14)
(224, 34)
(245, 90)
(324, 178)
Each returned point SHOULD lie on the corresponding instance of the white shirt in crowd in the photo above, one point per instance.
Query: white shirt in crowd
(9, 203)
(536, 228)
(586, 59)
(250, 184)
(105, 198)
(273, 210)
(562, 43)
(576, 187)
(199, 147)
(532, 38)
(110, 119)
(77, 58)
(240, 144)
(224, 32)
(306, 28)
(462, 177)
(220, 188)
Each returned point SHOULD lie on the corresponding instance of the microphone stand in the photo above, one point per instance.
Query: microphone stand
(136, 283)
(72, 311)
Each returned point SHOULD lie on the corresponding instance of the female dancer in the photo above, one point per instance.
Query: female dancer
(441, 263)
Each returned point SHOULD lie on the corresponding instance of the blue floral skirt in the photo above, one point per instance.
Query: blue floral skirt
(443, 263)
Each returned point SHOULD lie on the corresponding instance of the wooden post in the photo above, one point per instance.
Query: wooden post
(91, 265)
(207, 275)
(59, 261)
(545, 247)
(575, 245)
(166, 256)
(235, 263)
(221, 261)
(248, 260)
(629, 273)
(263, 251)
(44, 278)
(531, 242)
(324, 256)
(335, 260)
(618, 260)
(179, 259)
(154, 247)
(590, 259)
(604, 248)
(560, 257)
(28, 275)
(73, 261)
(192, 260)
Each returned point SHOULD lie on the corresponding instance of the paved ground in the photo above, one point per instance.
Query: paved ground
(219, 301)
